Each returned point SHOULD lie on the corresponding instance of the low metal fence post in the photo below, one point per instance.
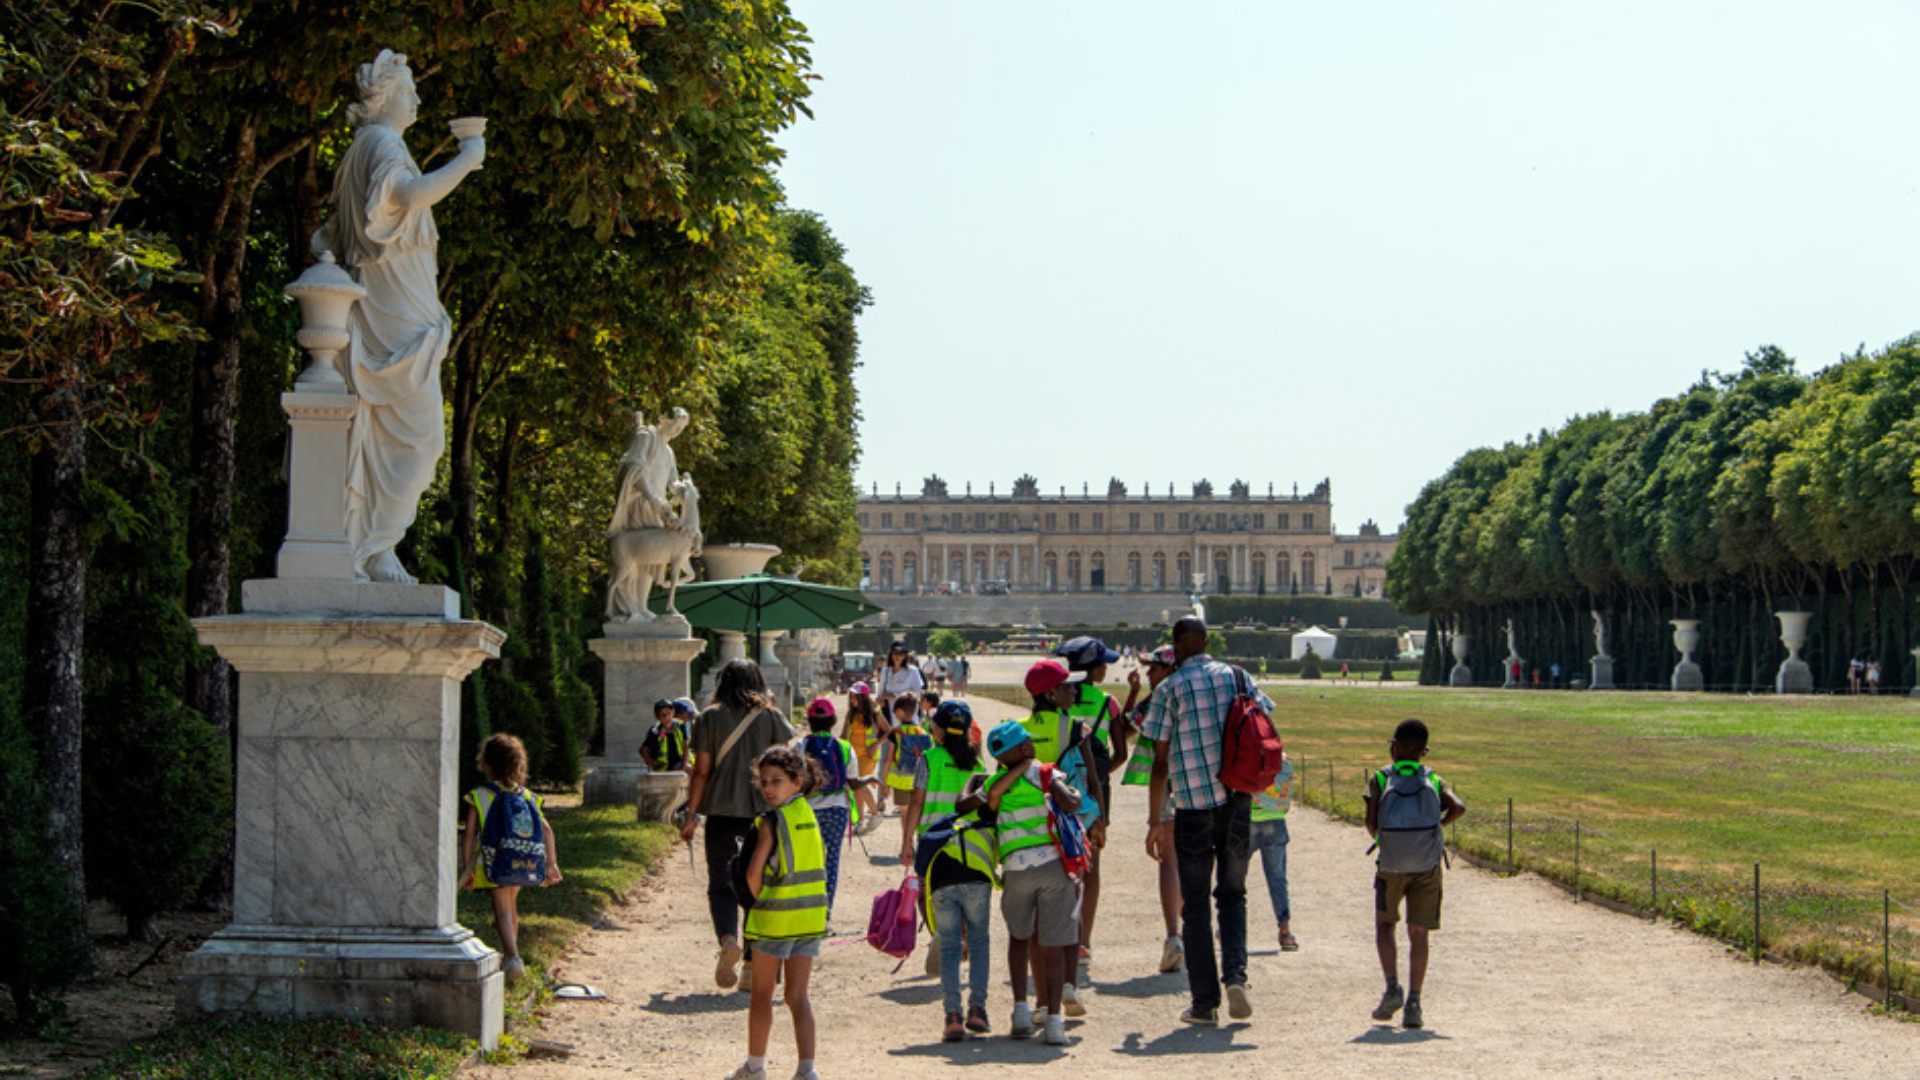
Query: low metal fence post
(1576, 862)
(1886, 940)
(1654, 873)
(1756, 913)
(1509, 836)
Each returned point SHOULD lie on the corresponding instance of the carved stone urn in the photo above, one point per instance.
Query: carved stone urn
(1795, 676)
(1686, 638)
(1462, 675)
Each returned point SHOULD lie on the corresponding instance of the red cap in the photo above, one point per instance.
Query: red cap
(1044, 676)
(820, 707)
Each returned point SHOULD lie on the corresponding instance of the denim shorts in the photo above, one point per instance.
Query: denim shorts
(785, 948)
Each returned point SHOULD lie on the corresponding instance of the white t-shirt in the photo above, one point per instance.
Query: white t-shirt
(906, 680)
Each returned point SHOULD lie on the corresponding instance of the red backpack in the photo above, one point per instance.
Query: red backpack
(1250, 751)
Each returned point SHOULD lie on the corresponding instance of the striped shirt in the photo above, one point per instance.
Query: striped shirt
(1188, 711)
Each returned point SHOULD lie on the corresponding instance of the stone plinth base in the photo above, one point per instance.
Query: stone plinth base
(1603, 673)
(1507, 681)
(1462, 675)
(443, 978)
(346, 810)
(1795, 678)
(1687, 676)
(645, 662)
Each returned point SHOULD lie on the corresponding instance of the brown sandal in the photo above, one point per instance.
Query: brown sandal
(1289, 943)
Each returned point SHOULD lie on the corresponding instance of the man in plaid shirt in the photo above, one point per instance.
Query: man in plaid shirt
(1210, 825)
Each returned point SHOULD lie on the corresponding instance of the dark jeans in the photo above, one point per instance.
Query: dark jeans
(724, 836)
(1207, 840)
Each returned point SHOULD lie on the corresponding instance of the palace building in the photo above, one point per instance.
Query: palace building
(1119, 542)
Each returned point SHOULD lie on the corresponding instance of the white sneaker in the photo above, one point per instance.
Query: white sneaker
(724, 975)
(808, 1073)
(1173, 955)
(1239, 1005)
(1022, 1025)
(514, 969)
(745, 1073)
(1070, 1001)
(1056, 1031)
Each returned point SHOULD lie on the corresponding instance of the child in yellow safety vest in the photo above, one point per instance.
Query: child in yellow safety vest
(960, 880)
(787, 875)
(1038, 898)
(504, 759)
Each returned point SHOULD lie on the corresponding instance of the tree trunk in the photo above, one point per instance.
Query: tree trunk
(56, 621)
(461, 482)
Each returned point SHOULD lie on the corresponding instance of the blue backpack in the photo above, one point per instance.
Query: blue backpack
(913, 746)
(824, 749)
(513, 847)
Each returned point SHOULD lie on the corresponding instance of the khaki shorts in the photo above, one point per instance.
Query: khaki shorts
(1043, 895)
(1421, 892)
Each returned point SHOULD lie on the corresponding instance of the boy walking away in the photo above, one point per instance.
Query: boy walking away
(509, 844)
(1407, 807)
(1095, 708)
(1269, 838)
(954, 855)
(839, 785)
(1038, 897)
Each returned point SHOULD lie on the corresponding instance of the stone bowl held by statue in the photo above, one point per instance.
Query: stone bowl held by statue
(468, 127)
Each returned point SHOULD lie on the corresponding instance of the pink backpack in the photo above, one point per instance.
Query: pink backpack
(893, 928)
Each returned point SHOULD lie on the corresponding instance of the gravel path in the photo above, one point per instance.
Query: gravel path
(1524, 984)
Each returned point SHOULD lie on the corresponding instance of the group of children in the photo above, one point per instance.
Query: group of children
(1024, 815)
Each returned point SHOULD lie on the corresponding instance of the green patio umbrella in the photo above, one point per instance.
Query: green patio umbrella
(760, 602)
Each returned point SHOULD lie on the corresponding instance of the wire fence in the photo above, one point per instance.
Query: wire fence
(1867, 936)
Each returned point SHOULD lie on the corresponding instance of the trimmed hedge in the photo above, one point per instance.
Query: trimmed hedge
(1272, 644)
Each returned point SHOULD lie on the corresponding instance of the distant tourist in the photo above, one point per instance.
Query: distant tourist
(1856, 671)
(724, 785)
(899, 676)
(1408, 806)
(509, 844)
(786, 875)
(1211, 822)
(962, 670)
(1873, 676)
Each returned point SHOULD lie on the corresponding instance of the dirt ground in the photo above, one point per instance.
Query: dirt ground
(1524, 984)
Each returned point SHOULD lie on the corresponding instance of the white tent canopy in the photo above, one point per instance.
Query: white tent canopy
(1323, 643)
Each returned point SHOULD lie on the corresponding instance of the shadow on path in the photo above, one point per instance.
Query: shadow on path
(988, 1051)
(922, 994)
(1144, 986)
(1387, 1035)
(696, 1004)
(1187, 1040)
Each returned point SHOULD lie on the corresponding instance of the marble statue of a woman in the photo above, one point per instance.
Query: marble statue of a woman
(381, 231)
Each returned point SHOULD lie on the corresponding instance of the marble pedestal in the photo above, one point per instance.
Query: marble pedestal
(1687, 676)
(1795, 677)
(1507, 681)
(1462, 675)
(1603, 673)
(347, 812)
(646, 662)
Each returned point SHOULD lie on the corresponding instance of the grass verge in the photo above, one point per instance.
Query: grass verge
(603, 853)
(1666, 802)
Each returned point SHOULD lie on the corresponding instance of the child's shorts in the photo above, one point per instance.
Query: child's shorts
(1044, 893)
(784, 948)
(1421, 892)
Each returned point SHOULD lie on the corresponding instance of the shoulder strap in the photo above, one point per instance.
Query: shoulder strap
(739, 730)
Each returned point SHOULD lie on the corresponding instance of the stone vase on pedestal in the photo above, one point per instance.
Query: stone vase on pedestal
(645, 662)
(1461, 675)
(726, 562)
(1686, 638)
(1602, 673)
(1795, 676)
(346, 811)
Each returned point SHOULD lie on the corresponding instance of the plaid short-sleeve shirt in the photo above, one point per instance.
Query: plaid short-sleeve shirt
(1188, 711)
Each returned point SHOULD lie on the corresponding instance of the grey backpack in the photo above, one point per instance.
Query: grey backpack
(1409, 819)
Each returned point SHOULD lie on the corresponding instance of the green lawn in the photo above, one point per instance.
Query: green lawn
(603, 852)
(1823, 793)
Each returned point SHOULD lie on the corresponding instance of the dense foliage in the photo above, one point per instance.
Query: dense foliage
(1750, 493)
(625, 250)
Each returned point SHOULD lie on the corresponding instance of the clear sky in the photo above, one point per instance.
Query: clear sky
(1283, 241)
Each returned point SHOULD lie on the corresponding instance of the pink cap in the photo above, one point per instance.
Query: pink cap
(861, 689)
(820, 707)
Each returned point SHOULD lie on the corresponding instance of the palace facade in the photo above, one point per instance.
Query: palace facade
(1024, 542)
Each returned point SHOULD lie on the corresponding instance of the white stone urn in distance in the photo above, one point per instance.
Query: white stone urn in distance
(1686, 638)
(1462, 675)
(1795, 676)
(726, 562)
(1915, 692)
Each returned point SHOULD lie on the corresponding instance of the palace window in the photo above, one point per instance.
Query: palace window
(1220, 522)
(1183, 571)
(1099, 522)
(1159, 523)
(1349, 558)
(1133, 570)
(1073, 522)
(980, 522)
(1050, 520)
(1306, 570)
(1183, 521)
(1006, 522)
(1280, 522)
(1259, 521)
(1159, 571)
(886, 568)
(911, 517)
(1133, 522)
(863, 521)
(1282, 571)
(1306, 522)
(909, 571)
(1073, 570)
(886, 520)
